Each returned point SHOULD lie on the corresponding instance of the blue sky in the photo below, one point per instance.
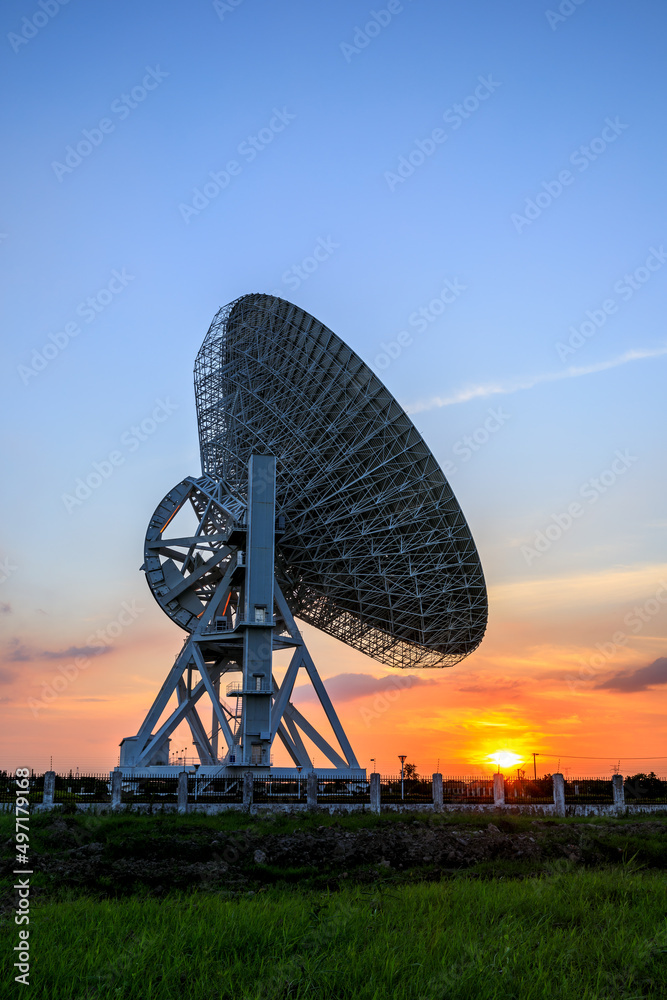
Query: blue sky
(336, 109)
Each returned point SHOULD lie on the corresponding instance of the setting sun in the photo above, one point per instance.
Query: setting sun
(505, 758)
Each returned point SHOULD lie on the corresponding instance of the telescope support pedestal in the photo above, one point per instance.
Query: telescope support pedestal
(223, 643)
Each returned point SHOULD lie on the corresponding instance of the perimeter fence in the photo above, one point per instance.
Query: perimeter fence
(338, 790)
(468, 790)
(203, 789)
(8, 787)
(72, 787)
(519, 791)
(407, 790)
(589, 790)
(645, 789)
(193, 788)
(153, 791)
(280, 789)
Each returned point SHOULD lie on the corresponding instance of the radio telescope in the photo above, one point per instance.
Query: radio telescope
(318, 501)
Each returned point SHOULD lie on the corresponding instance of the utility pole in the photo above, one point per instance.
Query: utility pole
(535, 765)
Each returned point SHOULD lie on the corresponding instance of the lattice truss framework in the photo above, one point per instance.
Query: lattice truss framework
(200, 580)
(376, 550)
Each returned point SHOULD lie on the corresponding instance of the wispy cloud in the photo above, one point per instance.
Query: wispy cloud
(347, 687)
(5, 609)
(630, 681)
(20, 653)
(66, 654)
(500, 686)
(529, 381)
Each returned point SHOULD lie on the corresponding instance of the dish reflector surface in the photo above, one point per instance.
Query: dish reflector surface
(375, 548)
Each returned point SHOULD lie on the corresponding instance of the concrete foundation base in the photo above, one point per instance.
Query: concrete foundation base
(340, 809)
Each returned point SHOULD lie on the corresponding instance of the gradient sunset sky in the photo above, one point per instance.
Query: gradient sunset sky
(472, 196)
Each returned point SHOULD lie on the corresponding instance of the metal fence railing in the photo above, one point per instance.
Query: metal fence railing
(77, 788)
(645, 789)
(8, 787)
(280, 789)
(467, 790)
(393, 789)
(331, 790)
(594, 791)
(149, 790)
(205, 790)
(72, 787)
(522, 791)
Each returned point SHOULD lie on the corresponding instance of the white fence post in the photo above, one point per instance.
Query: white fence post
(618, 791)
(559, 794)
(311, 790)
(49, 789)
(116, 789)
(499, 789)
(437, 792)
(182, 792)
(375, 792)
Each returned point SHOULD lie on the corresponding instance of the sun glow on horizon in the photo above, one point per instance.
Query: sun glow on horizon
(505, 758)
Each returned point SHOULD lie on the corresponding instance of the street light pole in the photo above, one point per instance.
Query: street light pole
(535, 765)
(402, 757)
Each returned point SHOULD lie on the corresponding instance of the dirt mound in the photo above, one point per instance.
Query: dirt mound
(185, 857)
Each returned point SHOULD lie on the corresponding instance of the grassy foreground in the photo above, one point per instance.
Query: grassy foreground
(573, 936)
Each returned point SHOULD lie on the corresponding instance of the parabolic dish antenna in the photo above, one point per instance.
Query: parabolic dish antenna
(319, 500)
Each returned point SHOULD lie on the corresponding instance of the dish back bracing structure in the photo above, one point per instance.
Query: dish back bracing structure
(301, 442)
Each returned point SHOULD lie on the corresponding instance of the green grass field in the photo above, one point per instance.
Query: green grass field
(575, 936)
(572, 932)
